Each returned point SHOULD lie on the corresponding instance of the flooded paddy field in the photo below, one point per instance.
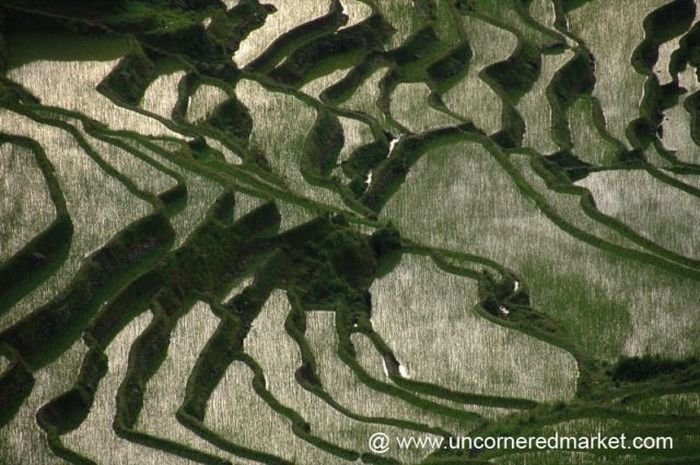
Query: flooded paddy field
(264, 231)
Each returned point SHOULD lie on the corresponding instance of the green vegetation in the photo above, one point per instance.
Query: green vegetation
(251, 231)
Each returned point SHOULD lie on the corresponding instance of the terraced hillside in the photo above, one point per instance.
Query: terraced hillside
(260, 231)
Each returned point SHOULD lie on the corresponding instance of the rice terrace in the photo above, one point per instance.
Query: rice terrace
(327, 232)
